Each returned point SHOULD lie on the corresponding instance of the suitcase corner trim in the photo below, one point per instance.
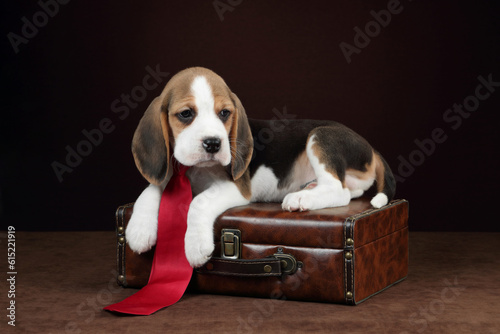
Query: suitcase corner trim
(349, 279)
(121, 241)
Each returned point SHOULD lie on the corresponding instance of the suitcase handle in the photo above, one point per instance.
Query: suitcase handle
(266, 267)
(276, 265)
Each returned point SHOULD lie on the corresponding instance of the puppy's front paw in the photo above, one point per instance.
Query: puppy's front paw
(199, 247)
(300, 200)
(141, 233)
(316, 198)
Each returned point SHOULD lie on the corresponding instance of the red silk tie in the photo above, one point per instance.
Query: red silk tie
(171, 272)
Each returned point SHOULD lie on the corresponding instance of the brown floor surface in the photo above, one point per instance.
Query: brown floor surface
(65, 278)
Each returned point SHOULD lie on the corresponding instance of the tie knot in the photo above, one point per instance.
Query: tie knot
(179, 168)
(183, 169)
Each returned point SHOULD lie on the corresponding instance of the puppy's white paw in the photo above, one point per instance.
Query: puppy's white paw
(143, 225)
(299, 201)
(316, 198)
(141, 232)
(199, 247)
(379, 200)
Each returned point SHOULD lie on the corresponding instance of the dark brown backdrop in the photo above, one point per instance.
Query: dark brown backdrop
(70, 72)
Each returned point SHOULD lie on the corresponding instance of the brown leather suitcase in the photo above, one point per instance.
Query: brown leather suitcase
(338, 255)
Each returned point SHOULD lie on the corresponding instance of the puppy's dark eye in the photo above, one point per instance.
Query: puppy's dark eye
(186, 115)
(224, 114)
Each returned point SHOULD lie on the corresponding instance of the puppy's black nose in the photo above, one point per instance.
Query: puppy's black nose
(211, 145)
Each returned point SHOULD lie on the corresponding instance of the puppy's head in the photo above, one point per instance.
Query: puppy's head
(199, 121)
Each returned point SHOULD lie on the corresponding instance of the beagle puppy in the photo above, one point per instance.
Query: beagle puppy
(199, 121)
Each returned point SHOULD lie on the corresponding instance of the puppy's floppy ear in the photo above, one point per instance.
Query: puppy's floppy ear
(150, 145)
(241, 140)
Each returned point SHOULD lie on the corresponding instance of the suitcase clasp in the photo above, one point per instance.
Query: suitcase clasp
(230, 241)
(288, 262)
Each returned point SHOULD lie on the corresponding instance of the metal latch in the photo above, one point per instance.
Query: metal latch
(288, 262)
(230, 243)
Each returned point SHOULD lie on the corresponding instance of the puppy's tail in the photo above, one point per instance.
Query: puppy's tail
(386, 184)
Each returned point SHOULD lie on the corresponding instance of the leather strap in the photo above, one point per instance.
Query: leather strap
(244, 268)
